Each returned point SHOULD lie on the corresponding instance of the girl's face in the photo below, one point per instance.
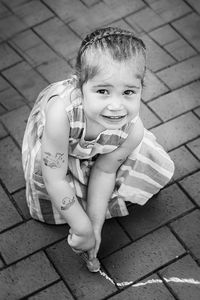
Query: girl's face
(112, 98)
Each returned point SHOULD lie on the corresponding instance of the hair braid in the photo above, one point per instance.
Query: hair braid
(99, 34)
(120, 44)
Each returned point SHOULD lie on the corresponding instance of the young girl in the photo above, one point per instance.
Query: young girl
(85, 150)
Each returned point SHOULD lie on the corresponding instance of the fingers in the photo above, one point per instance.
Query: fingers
(91, 254)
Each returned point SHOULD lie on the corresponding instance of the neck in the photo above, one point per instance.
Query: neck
(92, 130)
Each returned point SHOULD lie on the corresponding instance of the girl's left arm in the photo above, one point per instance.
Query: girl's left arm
(103, 177)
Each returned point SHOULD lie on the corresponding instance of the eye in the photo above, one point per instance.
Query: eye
(129, 92)
(103, 92)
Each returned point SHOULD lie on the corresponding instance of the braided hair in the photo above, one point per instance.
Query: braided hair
(120, 44)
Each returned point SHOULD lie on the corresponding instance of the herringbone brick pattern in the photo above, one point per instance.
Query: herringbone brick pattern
(157, 244)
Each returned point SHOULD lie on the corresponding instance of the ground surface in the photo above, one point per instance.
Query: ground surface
(38, 42)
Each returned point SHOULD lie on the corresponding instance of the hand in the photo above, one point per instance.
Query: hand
(79, 242)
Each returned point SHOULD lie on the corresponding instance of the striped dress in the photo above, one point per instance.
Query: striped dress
(147, 169)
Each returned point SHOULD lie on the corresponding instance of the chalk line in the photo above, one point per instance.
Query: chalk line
(151, 281)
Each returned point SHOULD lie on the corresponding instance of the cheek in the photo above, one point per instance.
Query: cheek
(134, 107)
(138, 100)
(89, 105)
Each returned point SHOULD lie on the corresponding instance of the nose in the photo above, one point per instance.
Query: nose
(115, 104)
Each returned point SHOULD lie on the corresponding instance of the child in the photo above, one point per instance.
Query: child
(85, 150)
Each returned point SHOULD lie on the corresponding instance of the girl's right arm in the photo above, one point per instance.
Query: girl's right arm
(54, 158)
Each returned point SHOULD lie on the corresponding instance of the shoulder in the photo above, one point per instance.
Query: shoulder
(66, 90)
(135, 136)
(57, 123)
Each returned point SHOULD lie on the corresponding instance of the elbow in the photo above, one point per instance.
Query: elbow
(48, 182)
(52, 184)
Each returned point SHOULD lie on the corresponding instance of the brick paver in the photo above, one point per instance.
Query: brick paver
(145, 20)
(3, 84)
(178, 131)
(10, 25)
(59, 37)
(145, 292)
(14, 3)
(10, 165)
(180, 49)
(22, 205)
(157, 58)
(28, 238)
(169, 10)
(32, 12)
(55, 70)
(3, 10)
(7, 220)
(1, 264)
(8, 56)
(107, 13)
(3, 132)
(51, 293)
(67, 10)
(195, 4)
(192, 187)
(183, 72)
(194, 146)
(185, 162)
(143, 256)
(157, 245)
(149, 118)
(26, 277)
(177, 102)
(110, 243)
(169, 204)
(83, 284)
(185, 227)
(17, 127)
(26, 80)
(32, 48)
(10, 99)
(153, 87)
(188, 27)
(197, 111)
(167, 37)
(184, 268)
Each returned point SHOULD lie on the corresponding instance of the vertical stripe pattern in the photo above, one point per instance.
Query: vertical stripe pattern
(143, 174)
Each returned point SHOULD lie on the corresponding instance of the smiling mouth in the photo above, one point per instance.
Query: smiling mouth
(114, 118)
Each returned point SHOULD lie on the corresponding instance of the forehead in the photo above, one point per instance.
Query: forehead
(125, 71)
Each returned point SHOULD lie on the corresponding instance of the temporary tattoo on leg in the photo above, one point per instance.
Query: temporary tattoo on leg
(67, 203)
(53, 161)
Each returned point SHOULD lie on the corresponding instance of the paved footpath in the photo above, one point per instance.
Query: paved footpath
(154, 253)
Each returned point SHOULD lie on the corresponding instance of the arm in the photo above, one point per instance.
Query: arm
(103, 176)
(54, 169)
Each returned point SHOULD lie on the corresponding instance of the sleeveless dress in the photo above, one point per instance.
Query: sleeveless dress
(146, 170)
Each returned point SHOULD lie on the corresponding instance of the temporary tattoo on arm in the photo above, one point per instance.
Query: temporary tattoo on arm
(121, 160)
(67, 203)
(53, 161)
